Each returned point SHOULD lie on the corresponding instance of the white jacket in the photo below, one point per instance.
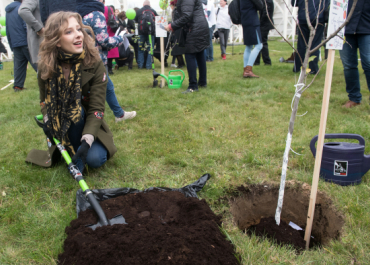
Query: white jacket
(212, 13)
(223, 18)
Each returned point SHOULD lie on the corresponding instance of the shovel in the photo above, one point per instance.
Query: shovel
(77, 175)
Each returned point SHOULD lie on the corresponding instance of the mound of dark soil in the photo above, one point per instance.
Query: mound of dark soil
(282, 234)
(163, 228)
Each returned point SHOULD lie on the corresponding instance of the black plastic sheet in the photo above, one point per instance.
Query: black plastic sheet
(104, 194)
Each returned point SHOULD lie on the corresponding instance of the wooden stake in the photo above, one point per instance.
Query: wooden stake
(320, 144)
(162, 61)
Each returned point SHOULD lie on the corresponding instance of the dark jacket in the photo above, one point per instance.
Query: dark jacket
(193, 20)
(360, 20)
(94, 85)
(313, 6)
(47, 7)
(265, 23)
(131, 26)
(176, 49)
(250, 22)
(16, 28)
(139, 14)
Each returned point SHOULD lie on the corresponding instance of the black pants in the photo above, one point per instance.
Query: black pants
(224, 36)
(265, 49)
(135, 46)
(110, 64)
(301, 46)
(192, 59)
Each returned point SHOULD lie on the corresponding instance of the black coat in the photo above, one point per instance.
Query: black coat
(176, 49)
(360, 20)
(313, 5)
(131, 26)
(250, 22)
(193, 20)
(265, 23)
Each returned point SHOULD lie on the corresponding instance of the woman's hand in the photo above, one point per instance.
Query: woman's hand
(81, 153)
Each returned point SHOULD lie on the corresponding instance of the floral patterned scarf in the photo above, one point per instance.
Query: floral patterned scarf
(63, 98)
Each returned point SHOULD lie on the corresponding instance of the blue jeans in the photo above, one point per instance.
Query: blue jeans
(192, 60)
(97, 154)
(21, 59)
(112, 99)
(144, 39)
(350, 62)
(250, 53)
(209, 50)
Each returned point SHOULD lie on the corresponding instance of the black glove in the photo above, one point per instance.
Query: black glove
(48, 133)
(81, 153)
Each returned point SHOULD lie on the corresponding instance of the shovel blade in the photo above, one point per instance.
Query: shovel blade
(117, 220)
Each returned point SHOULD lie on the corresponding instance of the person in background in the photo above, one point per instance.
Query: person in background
(304, 33)
(29, 11)
(116, 12)
(92, 13)
(223, 25)
(194, 24)
(129, 25)
(145, 11)
(212, 24)
(266, 26)
(357, 35)
(176, 50)
(112, 53)
(2, 50)
(16, 32)
(251, 34)
(74, 111)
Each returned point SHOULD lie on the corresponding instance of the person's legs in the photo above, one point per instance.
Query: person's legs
(202, 66)
(301, 47)
(149, 59)
(221, 33)
(209, 50)
(192, 70)
(349, 58)
(110, 66)
(313, 65)
(130, 60)
(247, 52)
(112, 100)
(141, 49)
(97, 155)
(253, 55)
(363, 45)
(26, 53)
(265, 49)
(20, 68)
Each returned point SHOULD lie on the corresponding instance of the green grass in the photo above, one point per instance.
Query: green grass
(235, 130)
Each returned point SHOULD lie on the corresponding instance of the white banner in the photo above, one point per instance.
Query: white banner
(337, 16)
(160, 23)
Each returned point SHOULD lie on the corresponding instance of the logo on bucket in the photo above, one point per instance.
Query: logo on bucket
(171, 81)
(340, 168)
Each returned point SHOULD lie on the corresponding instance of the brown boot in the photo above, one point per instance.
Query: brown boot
(248, 72)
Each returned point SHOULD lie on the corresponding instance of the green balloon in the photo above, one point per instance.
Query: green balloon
(2, 21)
(130, 14)
(3, 31)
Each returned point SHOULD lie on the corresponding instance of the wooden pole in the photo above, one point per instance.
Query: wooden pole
(162, 61)
(320, 144)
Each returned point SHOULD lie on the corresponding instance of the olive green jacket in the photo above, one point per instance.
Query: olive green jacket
(94, 85)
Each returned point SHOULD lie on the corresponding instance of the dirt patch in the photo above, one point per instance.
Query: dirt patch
(259, 201)
(163, 228)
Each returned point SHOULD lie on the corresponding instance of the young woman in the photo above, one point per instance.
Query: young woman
(223, 25)
(73, 81)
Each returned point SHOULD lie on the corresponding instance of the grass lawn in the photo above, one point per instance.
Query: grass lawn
(235, 129)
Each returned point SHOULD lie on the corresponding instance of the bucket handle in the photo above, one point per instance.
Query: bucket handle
(178, 70)
(336, 136)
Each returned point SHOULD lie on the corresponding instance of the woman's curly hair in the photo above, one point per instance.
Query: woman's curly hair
(54, 28)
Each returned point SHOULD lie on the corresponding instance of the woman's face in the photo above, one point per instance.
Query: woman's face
(116, 12)
(172, 7)
(72, 38)
(222, 3)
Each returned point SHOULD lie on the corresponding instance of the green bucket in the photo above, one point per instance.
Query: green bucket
(175, 81)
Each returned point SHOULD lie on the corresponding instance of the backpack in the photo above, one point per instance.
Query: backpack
(111, 22)
(234, 12)
(147, 16)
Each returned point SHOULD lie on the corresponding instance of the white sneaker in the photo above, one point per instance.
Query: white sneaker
(174, 65)
(128, 116)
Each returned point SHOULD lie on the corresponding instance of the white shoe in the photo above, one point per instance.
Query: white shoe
(128, 116)
(174, 65)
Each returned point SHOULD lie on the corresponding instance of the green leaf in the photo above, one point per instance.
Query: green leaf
(312, 58)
